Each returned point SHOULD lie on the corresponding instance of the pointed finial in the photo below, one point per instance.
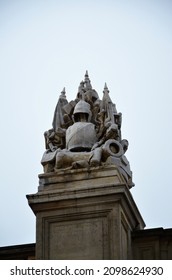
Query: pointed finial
(87, 81)
(86, 74)
(106, 90)
(63, 93)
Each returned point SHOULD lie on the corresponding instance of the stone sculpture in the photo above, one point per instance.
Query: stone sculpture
(86, 133)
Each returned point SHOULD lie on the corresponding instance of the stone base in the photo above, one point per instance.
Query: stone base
(84, 214)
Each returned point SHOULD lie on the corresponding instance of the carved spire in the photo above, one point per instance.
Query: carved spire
(106, 96)
(87, 81)
(108, 105)
(106, 90)
(86, 75)
(63, 93)
(58, 120)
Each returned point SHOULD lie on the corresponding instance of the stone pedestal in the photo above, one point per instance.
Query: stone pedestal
(84, 214)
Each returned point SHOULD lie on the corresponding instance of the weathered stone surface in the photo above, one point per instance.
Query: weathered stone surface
(152, 244)
(86, 133)
(78, 239)
(147, 244)
(83, 207)
(84, 214)
(80, 178)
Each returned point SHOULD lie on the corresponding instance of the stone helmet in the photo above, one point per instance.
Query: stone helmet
(82, 107)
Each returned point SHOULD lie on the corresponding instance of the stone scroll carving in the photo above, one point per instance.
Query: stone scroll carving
(85, 133)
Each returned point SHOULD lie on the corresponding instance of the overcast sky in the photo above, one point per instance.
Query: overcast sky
(46, 45)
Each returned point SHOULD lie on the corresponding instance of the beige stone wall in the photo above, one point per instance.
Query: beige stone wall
(84, 214)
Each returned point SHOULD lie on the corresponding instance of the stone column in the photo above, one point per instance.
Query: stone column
(84, 214)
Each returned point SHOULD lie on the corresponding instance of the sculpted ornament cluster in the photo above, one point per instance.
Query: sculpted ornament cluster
(86, 133)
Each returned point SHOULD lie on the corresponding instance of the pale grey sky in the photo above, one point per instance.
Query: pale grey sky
(46, 45)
